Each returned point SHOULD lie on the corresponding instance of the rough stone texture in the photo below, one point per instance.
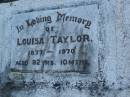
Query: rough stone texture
(113, 76)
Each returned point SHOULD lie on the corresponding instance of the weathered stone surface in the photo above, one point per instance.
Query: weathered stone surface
(104, 42)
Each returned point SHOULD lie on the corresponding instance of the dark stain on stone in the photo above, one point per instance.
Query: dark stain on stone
(93, 88)
(104, 86)
(79, 85)
(83, 54)
(57, 85)
(8, 88)
(7, 1)
(98, 89)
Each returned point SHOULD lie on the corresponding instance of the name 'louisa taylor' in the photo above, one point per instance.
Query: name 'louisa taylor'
(52, 39)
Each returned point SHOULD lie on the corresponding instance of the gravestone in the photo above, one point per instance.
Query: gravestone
(64, 48)
(55, 41)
